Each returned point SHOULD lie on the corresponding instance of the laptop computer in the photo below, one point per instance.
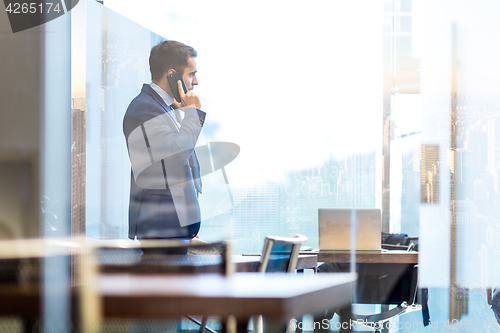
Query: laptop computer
(334, 227)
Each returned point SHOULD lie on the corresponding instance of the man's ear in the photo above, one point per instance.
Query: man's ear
(170, 71)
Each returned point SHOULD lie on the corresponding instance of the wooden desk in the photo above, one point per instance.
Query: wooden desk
(384, 277)
(278, 297)
(367, 257)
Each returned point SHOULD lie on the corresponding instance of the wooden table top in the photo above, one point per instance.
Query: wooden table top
(381, 257)
(277, 295)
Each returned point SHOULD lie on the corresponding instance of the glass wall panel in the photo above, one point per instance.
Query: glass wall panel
(117, 53)
(298, 87)
(283, 84)
(460, 79)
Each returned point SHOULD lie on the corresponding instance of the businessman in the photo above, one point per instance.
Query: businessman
(161, 135)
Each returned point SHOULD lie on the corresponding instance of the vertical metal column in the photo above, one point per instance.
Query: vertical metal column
(78, 115)
(453, 304)
(458, 295)
(453, 299)
(104, 127)
(387, 107)
(55, 167)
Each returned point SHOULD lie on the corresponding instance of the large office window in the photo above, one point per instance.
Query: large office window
(297, 87)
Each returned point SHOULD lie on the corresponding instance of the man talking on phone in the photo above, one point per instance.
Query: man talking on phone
(161, 134)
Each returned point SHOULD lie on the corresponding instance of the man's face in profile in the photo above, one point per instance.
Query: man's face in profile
(189, 74)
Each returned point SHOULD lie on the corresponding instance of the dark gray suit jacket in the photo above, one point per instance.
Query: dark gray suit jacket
(163, 200)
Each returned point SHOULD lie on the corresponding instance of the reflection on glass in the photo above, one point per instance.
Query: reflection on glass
(310, 135)
(295, 156)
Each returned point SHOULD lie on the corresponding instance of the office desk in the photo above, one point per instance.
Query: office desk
(384, 277)
(372, 257)
(278, 297)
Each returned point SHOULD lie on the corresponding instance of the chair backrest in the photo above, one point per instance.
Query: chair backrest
(280, 254)
(127, 257)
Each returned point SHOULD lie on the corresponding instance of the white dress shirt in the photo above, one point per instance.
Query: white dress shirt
(168, 100)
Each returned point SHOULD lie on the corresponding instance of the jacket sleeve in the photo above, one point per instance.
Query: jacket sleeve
(157, 148)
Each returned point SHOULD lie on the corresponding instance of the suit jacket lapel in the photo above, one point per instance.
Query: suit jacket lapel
(146, 88)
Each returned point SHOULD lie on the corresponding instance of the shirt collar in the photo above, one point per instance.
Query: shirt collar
(163, 94)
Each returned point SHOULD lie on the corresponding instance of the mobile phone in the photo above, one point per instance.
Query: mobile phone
(172, 81)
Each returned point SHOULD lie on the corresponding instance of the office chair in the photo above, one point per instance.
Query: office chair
(125, 257)
(279, 254)
(409, 303)
(406, 244)
(493, 298)
(406, 280)
(276, 249)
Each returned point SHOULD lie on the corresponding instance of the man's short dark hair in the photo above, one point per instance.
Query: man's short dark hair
(169, 54)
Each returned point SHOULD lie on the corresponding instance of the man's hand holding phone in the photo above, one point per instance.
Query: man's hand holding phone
(187, 99)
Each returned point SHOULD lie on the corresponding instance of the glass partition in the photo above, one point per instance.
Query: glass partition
(460, 109)
(329, 108)
(288, 97)
(300, 97)
(460, 78)
(110, 65)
